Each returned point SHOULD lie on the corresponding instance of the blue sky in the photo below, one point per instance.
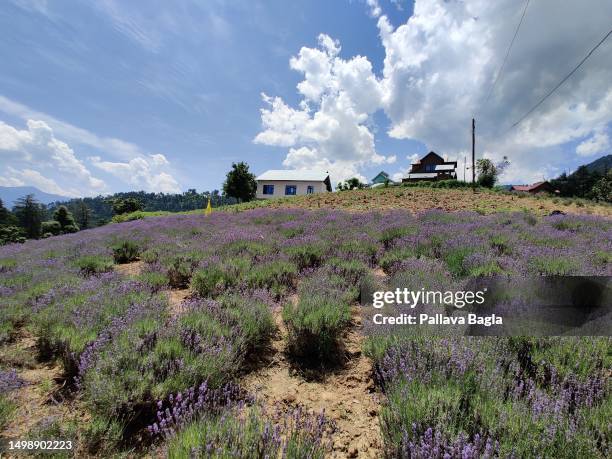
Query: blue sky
(97, 97)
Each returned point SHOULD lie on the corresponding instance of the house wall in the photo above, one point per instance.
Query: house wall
(427, 161)
(279, 188)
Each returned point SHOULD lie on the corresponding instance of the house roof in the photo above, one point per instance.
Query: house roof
(383, 173)
(434, 154)
(528, 187)
(293, 175)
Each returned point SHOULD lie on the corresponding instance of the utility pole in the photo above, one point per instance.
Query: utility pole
(473, 154)
(464, 164)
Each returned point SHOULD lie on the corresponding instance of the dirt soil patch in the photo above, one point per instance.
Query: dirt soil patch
(132, 269)
(176, 298)
(43, 395)
(418, 200)
(347, 394)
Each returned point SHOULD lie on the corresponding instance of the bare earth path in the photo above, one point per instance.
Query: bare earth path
(347, 394)
(41, 399)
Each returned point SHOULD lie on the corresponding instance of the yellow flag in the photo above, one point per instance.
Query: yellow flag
(208, 209)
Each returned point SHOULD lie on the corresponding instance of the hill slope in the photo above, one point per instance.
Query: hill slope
(601, 165)
(420, 199)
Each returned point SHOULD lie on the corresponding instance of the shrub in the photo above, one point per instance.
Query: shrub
(125, 206)
(11, 233)
(395, 256)
(125, 251)
(150, 256)
(211, 281)
(552, 266)
(391, 234)
(252, 317)
(53, 227)
(315, 324)
(276, 276)
(250, 434)
(70, 229)
(321, 314)
(180, 270)
(94, 264)
(501, 244)
(351, 271)
(154, 280)
(306, 255)
(244, 247)
(364, 250)
(454, 260)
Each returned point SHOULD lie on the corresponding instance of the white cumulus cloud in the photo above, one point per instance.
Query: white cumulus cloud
(38, 146)
(330, 129)
(143, 172)
(438, 70)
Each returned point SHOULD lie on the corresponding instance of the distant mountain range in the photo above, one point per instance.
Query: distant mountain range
(601, 165)
(10, 194)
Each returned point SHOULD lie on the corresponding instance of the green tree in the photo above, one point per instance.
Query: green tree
(602, 190)
(5, 215)
(29, 213)
(240, 183)
(125, 206)
(51, 228)
(351, 184)
(63, 216)
(10, 234)
(82, 214)
(488, 172)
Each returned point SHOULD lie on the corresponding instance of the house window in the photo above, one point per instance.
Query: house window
(290, 190)
(430, 168)
(268, 189)
(310, 189)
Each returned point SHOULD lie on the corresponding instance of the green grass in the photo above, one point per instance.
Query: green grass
(552, 266)
(243, 435)
(278, 276)
(94, 264)
(156, 281)
(7, 408)
(306, 255)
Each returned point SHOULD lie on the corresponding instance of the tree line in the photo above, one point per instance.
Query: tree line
(585, 183)
(29, 219)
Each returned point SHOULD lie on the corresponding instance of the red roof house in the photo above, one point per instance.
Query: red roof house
(539, 187)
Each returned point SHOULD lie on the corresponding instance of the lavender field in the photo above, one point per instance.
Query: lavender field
(138, 371)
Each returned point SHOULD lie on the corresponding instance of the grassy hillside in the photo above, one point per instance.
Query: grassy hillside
(416, 200)
(227, 335)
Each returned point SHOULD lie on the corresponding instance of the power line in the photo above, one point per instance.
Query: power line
(563, 80)
(501, 68)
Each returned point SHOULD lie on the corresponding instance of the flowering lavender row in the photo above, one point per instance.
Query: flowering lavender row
(10, 380)
(445, 394)
(115, 334)
(245, 431)
(181, 409)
